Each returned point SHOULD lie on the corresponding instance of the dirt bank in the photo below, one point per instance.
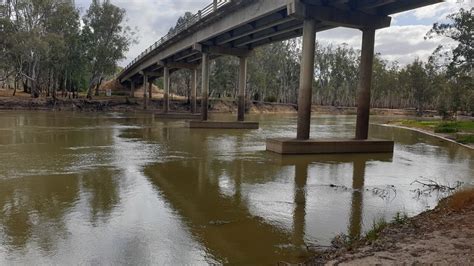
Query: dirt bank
(443, 236)
(23, 101)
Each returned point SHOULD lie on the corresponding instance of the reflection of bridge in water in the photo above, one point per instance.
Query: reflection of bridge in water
(225, 223)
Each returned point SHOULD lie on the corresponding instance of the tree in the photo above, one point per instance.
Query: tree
(460, 29)
(106, 40)
(458, 61)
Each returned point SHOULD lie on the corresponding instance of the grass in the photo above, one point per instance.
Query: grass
(447, 127)
(373, 234)
(465, 138)
(377, 226)
(461, 131)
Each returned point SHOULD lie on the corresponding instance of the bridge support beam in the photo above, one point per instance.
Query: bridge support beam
(166, 85)
(365, 83)
(306, 80)
(205, 86)
(194, 80)
(242, 89)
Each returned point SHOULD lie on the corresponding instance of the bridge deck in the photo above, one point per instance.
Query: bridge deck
(246, 24)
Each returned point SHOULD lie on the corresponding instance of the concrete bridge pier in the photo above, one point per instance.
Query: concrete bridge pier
(166, 85)
(194, 81)
(145, 85)
(205, 86)
(306, 80)
(242, 54)
(365, 83)
(242, 88)
(132, 88)
(303, 144)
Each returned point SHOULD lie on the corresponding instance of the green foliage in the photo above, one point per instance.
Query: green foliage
(44, 46)
(465, 138)
(400, 218)
(377, 226)
(447, 127)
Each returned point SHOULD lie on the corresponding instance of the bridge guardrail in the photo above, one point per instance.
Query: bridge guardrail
(201, 14)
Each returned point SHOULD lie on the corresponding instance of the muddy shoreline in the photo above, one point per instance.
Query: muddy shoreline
(127, 104)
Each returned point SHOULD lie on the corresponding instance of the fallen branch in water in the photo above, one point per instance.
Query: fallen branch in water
(430, 186)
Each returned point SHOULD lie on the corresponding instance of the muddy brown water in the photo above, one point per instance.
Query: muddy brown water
(82, 188)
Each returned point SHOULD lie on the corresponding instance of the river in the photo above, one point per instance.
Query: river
(85, 188)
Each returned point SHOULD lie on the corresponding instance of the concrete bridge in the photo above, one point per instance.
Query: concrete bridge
(235, 27)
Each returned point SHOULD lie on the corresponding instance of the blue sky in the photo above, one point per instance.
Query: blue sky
(403, 41)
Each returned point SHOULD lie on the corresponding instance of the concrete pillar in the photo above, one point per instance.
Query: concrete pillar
(365, 83)
(205, 86)
(145, 84)
(150, 88)
(132, 89)
(306, 80)
(194, 90)
(166, 85)
(242, 88)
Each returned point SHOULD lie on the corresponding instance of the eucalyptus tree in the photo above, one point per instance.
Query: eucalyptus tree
(106, 40)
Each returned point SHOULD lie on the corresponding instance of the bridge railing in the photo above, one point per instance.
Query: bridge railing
(201, 14)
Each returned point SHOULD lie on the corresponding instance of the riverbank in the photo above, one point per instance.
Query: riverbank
(461, 132)
(177, 104)
(444, 236)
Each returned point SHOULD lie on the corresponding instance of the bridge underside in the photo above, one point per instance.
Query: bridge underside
(242, 25)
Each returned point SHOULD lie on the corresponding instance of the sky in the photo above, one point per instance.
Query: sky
(403, 42)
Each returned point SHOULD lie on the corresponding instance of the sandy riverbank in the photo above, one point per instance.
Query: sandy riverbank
(443, 236)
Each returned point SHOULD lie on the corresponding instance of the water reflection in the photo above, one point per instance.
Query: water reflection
(102, 190)
(302, 165)
(36, 207)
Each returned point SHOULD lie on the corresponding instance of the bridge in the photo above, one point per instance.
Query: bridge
(236, 27)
